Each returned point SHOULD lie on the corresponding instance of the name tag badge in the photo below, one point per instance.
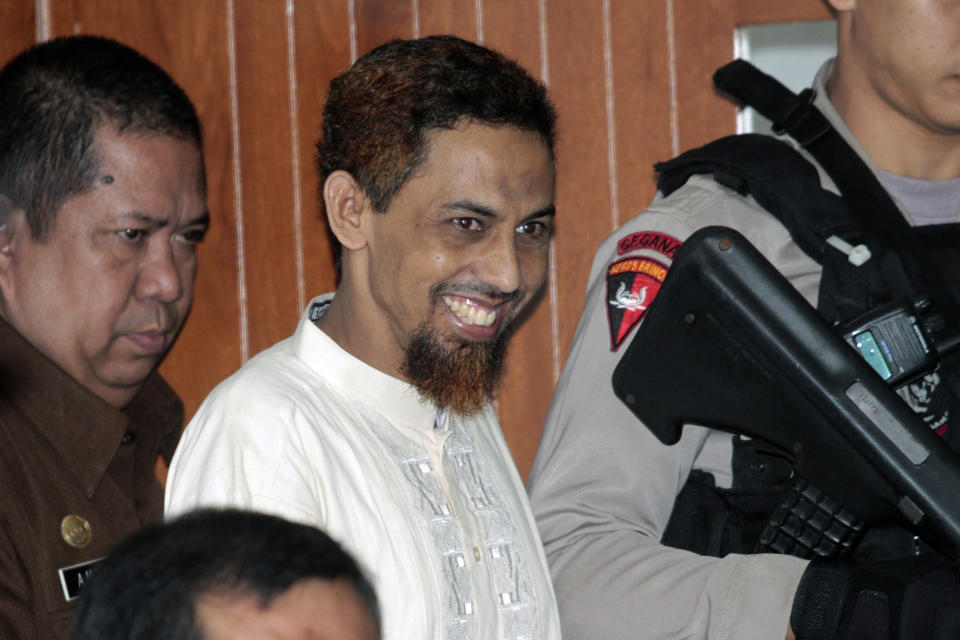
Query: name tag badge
(74, 578)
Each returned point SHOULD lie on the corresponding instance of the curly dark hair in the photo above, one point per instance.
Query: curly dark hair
(378, 114)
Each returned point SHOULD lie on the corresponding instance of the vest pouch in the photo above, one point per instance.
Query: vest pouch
(714, 521)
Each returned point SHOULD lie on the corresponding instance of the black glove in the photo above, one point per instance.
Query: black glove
(904, 599)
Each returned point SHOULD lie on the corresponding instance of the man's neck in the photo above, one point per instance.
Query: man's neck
(894, 142)
(345, 322)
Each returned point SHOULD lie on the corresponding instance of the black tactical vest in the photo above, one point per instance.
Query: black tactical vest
(920, 265)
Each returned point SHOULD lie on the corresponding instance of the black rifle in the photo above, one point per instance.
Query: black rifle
(730, 344)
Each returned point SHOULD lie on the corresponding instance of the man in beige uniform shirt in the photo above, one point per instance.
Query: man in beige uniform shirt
(604, 488)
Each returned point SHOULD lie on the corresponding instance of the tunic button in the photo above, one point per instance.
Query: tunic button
(476, 554)
(76, 531)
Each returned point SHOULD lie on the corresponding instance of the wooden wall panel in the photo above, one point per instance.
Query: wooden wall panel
(641, 79)
(528, 380)
(455, 17)
(266, 182)
(578, 84)
(703, 36)
(322, 50)
(378, 21)
(514, 29)
(630, 78)
(17, 27)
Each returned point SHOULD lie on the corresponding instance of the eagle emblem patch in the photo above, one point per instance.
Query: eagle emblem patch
(632, 284)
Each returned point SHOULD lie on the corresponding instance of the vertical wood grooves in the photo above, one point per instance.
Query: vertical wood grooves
(237, 184)
(295, 155)
(552, 285)
(542, 33)
(352, 4)
(42, 8)
(672, 64)
(630, 79)
(478, 10)
(610, 110)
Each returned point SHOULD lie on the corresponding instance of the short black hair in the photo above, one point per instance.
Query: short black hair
(149, 584)
(379, 112)
(55, 97)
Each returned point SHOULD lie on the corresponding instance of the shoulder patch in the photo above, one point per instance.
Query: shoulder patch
(653, 240)
(632, 284)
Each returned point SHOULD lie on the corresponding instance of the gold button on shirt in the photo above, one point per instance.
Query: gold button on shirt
(76, 531)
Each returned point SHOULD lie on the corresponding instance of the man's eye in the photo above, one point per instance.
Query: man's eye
(534, 229)
(468, 224)
(133, 234)
(194, 236)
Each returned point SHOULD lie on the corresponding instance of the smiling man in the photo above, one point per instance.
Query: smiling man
(102, 203)
(374, 421)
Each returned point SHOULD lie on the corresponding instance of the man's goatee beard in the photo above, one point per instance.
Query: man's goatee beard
(455, 374)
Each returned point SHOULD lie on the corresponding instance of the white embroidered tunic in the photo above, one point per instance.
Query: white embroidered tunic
(430, 503)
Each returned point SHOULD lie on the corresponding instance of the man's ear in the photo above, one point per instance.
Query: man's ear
(346, 206)
(4, 239)
(10, 219)
(13, 226)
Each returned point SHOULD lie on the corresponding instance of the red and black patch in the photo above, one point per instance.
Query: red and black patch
(653, 240)
(632, 284)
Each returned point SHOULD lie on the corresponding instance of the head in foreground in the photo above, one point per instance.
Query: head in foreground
(219, 574)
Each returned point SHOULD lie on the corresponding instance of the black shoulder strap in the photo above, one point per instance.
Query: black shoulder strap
(785, 184)
(886, 231)
(781, 181)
